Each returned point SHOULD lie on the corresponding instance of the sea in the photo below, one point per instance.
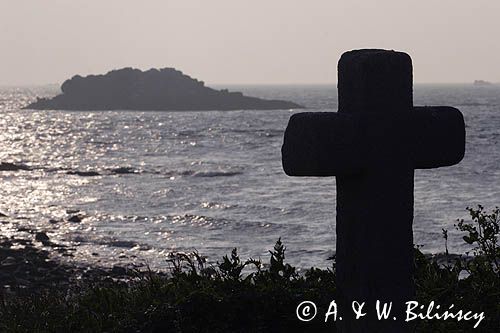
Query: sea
(146, 185)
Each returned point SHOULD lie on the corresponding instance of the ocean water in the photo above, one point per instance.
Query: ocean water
(209, 181)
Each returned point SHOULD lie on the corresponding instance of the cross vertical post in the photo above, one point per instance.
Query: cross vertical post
(372, 145)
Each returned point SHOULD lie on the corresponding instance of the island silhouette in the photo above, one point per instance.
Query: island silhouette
(165, 89)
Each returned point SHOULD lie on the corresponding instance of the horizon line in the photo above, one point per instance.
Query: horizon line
(218, 85)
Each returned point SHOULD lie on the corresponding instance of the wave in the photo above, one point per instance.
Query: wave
(198, 220)
(130, 170)
(84, 173)
(123, 170)
(110, 171)
(474, 104)
(216, 173)
(110, 242)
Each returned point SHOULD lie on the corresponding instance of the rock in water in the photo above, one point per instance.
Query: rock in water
(7, 166)
(162, 90)
(41, 237)
(75, 219)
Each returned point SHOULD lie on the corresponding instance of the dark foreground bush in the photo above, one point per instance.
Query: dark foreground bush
(236, 296)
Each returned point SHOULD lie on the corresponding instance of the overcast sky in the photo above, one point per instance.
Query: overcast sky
(245, 41)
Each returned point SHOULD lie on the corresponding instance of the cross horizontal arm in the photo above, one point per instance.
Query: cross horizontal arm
(439, 137)
(339, 144)
(321, 144)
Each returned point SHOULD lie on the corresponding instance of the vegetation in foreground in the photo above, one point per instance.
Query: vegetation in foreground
(237, 296)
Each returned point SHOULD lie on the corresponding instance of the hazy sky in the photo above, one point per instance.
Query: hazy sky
(245, 41)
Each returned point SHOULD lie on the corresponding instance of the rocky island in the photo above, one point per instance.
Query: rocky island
(165, 89)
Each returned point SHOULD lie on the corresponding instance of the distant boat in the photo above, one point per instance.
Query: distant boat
(482, 83)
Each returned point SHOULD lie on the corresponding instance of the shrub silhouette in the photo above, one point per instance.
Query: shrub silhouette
(253, 296)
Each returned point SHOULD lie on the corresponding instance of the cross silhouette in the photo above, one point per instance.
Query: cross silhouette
(372, 145)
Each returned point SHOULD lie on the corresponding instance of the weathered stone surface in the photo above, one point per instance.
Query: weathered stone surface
(335, 144)
(372, 145)
(163, 90)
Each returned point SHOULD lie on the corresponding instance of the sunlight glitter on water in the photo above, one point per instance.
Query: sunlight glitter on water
(139, 185)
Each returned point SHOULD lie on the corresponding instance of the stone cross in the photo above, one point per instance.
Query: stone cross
(372, 145)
